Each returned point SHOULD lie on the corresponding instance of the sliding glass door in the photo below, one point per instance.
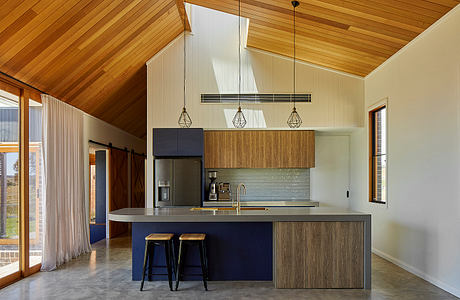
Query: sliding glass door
(9, 182)
(21, 229)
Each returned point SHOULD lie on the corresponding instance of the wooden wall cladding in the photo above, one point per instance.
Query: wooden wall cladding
(319, 254)
(352, 36)
(118, 188)
(137, 180)
(259, 149)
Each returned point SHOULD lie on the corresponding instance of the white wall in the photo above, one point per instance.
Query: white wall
(212, 67)
(419, 229)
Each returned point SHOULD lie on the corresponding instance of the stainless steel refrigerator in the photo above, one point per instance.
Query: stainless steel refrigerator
(178, 182)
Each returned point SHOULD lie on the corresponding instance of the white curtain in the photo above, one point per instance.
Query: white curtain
(65, 222)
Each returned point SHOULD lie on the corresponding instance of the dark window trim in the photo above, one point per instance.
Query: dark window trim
(372, 146)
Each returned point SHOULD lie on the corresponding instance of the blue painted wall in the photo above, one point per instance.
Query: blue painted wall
(236, 251)
(97, 232)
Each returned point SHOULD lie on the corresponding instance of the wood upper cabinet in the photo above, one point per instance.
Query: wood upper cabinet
(259, 148)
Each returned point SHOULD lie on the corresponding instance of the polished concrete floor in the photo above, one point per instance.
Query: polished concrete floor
(106, 274)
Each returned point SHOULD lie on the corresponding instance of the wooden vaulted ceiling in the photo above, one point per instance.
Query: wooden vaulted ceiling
(89, 53)
(92, 53)
(353, 36)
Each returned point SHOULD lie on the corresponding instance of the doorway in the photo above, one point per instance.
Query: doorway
(97, 193)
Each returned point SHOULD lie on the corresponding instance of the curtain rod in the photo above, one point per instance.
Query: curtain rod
(113, 147)
(22, 82)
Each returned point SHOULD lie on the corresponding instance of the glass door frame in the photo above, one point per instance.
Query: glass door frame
(25, 93)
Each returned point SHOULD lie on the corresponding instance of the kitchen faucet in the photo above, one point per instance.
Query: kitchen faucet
(238, 197)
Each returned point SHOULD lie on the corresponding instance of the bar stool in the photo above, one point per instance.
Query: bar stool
(196, 239)
(159, 239)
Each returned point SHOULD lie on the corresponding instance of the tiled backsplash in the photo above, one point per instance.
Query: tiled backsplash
(267, 184)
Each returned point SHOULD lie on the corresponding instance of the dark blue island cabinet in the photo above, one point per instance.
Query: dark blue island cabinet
(170, 142)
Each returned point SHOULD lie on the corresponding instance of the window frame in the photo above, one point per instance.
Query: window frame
(371, 136)
(25, 94)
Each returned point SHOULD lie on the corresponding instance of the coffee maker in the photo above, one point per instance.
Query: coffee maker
(212, 186)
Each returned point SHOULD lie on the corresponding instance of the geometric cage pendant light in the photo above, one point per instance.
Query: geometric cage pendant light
(239, 121)
(294, 120)
(184, 119)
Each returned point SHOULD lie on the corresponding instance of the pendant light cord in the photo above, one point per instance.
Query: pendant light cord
(185, 53)
(239, 53)
(294, 58)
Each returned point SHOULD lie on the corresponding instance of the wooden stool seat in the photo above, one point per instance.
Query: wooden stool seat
(159, 237)
(192, 237)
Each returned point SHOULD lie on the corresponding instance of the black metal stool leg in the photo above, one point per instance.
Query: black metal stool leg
(180, 263)
(145, 262)
(167, 246)
(150, 260)
(203, 265)
(206, 259)
(174, 259)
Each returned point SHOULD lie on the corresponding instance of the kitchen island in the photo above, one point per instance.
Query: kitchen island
(297, 247)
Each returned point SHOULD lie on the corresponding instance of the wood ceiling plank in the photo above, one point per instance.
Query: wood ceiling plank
(327, 48)
(420, 7)
(421, 16)
(87, 76)
(333, 39)
(52, 73)
(51, 33)
(37, 66)
(339, 14)
(376, 15)
(20, 22)
(162, 26)
(304, 50)
(165, 36)
(307, 24)
(377, 35)
(312, 56)
(449, 3)
(103, 49)
(111, 22)
(12, 10)
(26, 35)
(407, 4)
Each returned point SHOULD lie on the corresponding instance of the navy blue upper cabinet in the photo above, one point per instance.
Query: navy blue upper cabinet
(178, 142)
(165, 142)
(190, 142)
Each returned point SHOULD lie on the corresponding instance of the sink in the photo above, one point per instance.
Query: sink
(226, 208)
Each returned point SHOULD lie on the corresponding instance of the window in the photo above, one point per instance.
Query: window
(378, 155)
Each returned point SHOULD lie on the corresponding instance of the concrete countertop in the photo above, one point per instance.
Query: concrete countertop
(276, 203)
(273, 214)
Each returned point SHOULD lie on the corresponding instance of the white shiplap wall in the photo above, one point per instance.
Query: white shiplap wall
(212, 67)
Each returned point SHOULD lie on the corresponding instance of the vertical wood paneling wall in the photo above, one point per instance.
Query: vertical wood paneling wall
(212, 67)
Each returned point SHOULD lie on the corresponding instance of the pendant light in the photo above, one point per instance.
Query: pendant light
(239, 121)
(294, 120)
(184, 119)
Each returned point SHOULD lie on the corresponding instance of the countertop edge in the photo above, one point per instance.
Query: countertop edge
(238, 218)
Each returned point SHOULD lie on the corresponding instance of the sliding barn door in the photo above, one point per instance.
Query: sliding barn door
(137, 180)
(118, 194)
